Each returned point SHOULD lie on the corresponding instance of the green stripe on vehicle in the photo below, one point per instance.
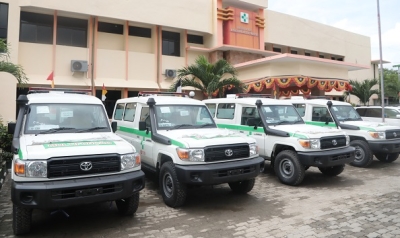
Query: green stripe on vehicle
(20, 154)
(74, 144)
(145, 135)
(331, 124)
(251, 130)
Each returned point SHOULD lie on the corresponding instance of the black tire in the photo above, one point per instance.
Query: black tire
(22, 220)
(242, 186)
(173, 192)
(128, 206)
(288, 168)
(363, 154)
(387, 158)
(332, 171)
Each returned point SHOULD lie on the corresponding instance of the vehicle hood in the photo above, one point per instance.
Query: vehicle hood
(369, 125)
(72, 144)
(198, 138)
(308, 131)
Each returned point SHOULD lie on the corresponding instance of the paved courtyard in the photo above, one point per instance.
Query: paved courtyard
(358, 203)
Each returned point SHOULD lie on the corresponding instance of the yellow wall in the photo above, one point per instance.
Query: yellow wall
(8, 97)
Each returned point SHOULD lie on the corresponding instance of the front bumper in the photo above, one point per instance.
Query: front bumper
(386, 146)
(72, 192)
(327, 158)
(212, 174)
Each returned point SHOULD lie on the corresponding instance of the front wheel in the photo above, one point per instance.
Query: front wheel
(172, 191)
(288, 168)
(128, 206)
(363, 154)
(333, 170)
(242, 186)
(22, 220)
(387, 158)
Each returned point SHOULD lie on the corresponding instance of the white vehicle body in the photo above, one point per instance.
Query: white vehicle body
(283, 130)
(61, 160)
(374, 114)
(178, 140)
(369, 138)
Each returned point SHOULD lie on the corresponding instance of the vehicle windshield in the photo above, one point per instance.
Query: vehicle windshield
(281, 114)
(65, 118)
(169, 117)
(346, 113)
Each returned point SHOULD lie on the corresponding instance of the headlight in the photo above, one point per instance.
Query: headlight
(33, 169)
(310, 144)
(347, 140)
(194, 155)
(130, 161)
(377, 134)
(253, 149)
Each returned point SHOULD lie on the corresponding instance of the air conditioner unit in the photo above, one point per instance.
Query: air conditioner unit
(79, 66)
(170, 73)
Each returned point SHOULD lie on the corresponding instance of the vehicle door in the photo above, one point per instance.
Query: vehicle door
(249, 117)
(320, 116)
(144, 141)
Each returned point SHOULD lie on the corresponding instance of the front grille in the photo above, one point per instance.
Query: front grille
(71, 166)
(333, 142)
(221, 152)
(86, 191)
(393, 134)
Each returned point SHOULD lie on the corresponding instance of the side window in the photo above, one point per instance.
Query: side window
(212, 108)
(119, 111)
(390, 113)
(144, 116)
(301, 109)
(249, 113)
(361, 111)
(321, 114)
(226, 111)
(130, 110)
(373, 112)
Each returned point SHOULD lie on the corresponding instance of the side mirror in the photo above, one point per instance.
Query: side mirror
(142, 126)
(114, 126)
(11, 127)
(252, 122)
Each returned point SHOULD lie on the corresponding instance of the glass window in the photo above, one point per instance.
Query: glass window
(182, 116)
(43, 117)
(171, 43)
(72, 32)
(391, 113)
(226, 111)
(144, 116)
(119, 111)
(281, 114)
(249, 113)
(139, 31)
(3, 20)
(130, 110)
(212, 108)
(36, 28)
(110, 28)
(361, 111)
(275, 49)
(301, 109)
(321, 114)
(373, 112)
(195, 39)
(346, 113)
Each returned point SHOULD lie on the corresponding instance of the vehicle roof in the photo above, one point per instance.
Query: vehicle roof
(317, 101)
(247, 101)
(63, 98)
(163, 100)
(393, 107)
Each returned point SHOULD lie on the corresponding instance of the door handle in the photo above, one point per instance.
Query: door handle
(241, 131)
(138, 137)
(148, 140)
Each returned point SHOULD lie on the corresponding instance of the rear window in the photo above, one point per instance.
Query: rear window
(119, 111)
(226, 111)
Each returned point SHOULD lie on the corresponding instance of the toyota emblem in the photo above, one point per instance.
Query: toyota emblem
(334, 142)
(228, 152)
(394, 134)
(86, 166)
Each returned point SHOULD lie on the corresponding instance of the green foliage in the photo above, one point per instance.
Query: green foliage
(208, 77)
(5, 142)
(6, 66)
(391, 84)
(362, 89)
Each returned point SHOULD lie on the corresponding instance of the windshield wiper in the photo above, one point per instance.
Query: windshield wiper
(281, 122)
(179, 126)
(299, 122)
(92, 129)
(204, 125)
(55, 130)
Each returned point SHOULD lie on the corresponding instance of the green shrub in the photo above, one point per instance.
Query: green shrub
(5, 143)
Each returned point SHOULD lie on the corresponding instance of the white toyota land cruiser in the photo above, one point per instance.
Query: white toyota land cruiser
(282, 136)
(180, 142)
(66, 154)
(369, 138)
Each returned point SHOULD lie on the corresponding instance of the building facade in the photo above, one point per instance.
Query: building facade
(130, 47)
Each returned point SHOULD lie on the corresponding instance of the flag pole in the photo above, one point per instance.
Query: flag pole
(381, 73)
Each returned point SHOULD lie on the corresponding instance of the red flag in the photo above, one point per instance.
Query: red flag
(51, 78)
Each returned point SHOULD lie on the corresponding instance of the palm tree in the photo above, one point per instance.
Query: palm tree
(363, 89)
(6, 66)
(208, 77)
